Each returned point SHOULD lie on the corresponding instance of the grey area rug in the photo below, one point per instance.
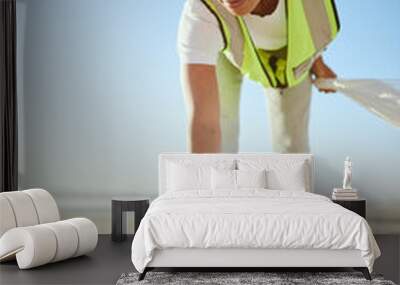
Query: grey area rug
(269, 278)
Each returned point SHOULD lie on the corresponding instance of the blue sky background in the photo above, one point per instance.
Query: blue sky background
(367, 47)
(100, 97)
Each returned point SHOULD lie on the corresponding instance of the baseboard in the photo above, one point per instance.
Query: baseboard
(98, 210)
(384, 227)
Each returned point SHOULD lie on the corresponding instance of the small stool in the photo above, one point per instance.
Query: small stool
(139, 205)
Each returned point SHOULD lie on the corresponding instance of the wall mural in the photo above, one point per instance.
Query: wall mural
(105, 87)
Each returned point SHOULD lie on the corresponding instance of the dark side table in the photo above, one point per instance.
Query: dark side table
(358, 206)
(122, 204)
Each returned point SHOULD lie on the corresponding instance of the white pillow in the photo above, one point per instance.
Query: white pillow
(223, 179)
(251, 178)
(237, 179)
(186, 175)
(292, 176)
(281, 174)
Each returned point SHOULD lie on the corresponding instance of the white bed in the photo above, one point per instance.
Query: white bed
(249, 227)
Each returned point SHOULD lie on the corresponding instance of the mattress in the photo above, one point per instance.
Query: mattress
(250, 219)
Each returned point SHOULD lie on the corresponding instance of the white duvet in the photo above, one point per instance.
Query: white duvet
(250, 218)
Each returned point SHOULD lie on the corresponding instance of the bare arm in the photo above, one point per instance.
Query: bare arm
(201, 90)
(321, 70)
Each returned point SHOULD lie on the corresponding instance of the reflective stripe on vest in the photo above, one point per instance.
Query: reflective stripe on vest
(312, 25)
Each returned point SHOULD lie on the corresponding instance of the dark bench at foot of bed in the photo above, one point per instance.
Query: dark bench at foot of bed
(364, 270)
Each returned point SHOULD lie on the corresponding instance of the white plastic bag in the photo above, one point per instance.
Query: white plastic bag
(381, 97)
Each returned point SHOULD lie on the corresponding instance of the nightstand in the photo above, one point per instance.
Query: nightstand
(358, 206)
(119, 205)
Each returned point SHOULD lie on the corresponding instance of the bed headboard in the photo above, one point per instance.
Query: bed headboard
(166, 157)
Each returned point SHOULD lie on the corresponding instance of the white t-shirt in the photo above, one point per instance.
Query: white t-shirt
(200, 38)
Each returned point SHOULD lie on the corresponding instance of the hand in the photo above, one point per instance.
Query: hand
(321, 71)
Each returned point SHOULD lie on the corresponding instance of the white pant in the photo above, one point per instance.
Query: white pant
(288, 112)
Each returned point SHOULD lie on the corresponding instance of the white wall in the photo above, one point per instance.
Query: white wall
(100, 98)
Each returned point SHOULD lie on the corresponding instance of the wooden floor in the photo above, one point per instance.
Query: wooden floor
(110, 260)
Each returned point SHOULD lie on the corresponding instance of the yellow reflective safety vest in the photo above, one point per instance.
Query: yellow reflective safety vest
(311, 26)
